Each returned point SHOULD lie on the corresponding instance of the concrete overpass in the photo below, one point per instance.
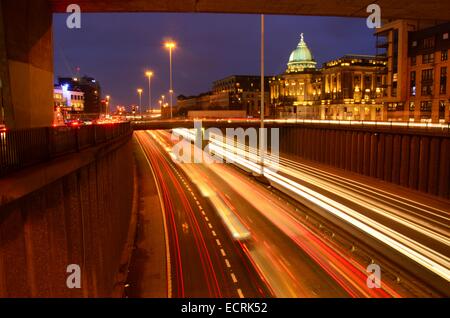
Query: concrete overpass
(26, 44)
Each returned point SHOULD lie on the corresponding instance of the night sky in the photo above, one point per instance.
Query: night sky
(116, 49)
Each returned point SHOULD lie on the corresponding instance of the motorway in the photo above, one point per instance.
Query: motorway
(203, 259)
(283, 256)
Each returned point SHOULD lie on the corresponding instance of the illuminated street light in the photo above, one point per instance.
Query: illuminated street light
(140, 90)
(170, 45)
(149, 74)
(108, 98)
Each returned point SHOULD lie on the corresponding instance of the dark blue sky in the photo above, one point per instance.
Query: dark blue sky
(117, 48)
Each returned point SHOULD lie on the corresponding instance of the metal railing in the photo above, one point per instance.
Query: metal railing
(25, 147)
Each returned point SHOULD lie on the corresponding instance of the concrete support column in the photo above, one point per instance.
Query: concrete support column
(26, 62)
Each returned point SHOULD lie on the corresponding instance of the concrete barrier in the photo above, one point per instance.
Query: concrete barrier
(79, 218)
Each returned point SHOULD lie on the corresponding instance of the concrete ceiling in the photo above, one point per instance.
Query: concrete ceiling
(390, 9)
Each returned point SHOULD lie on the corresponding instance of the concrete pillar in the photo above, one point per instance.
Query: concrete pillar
(424, 155)
(444, 169)
(26, 62)
(373, 155)
(414, 162)
(380, 156)
(405, 157)
(396, 158)
(366, 165)
(388, 158)
(434, 167)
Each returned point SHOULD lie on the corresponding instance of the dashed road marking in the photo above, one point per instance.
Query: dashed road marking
(223, 252)
(233, 277)
(227, 263)
(218, 242)
(239, 291)
(210, 226)
(214, 233)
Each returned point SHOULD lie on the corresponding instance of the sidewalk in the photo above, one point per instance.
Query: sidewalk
(147, 277)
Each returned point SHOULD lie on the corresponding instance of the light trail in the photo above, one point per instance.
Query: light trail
(268, 259)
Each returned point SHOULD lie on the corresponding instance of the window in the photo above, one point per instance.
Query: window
(428, 43)
(443, 81)
(427, 75)
(413, 60)
(445, 36)
(414, 43)
(412, 106)
(412, 85)
(425, 106)
(442, 109)
(428, 58)
(444, 55)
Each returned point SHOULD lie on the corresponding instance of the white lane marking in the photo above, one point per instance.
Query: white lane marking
(218, 242)
(223, 252)
(239, 291)
(233, 277)
(214, 233)
(227, 263)
(210, 226)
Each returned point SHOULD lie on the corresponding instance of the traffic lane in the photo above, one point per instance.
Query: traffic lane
(428, 238)
(350, 279)
(428, 219)
(198, 231)
(310, 272)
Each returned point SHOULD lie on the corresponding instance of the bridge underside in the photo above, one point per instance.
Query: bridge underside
(411, 9)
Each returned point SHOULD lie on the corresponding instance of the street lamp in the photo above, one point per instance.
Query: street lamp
(149, 74)
(170, 45)
(262, 134)
(140, 90)
(108, 98)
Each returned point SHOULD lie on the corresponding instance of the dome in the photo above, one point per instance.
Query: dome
(301, 58)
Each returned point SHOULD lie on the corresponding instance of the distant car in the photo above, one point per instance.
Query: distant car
(2, 128)
(74, 123)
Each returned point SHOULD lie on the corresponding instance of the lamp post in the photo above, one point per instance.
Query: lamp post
(140, 90)
(108, 98)
(170, 45)
(262, 142)
(149, 74)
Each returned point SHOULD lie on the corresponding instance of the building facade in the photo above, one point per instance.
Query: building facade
(236, 92)
(343, 89)
(67, 103)
(296, 93)
(428, 97)
(417, 88)
(241, 92)
(93, 106)
(351, 86)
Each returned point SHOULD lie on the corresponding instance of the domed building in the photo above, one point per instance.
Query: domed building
(301, 58)
(347, 88)
(294, 93)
